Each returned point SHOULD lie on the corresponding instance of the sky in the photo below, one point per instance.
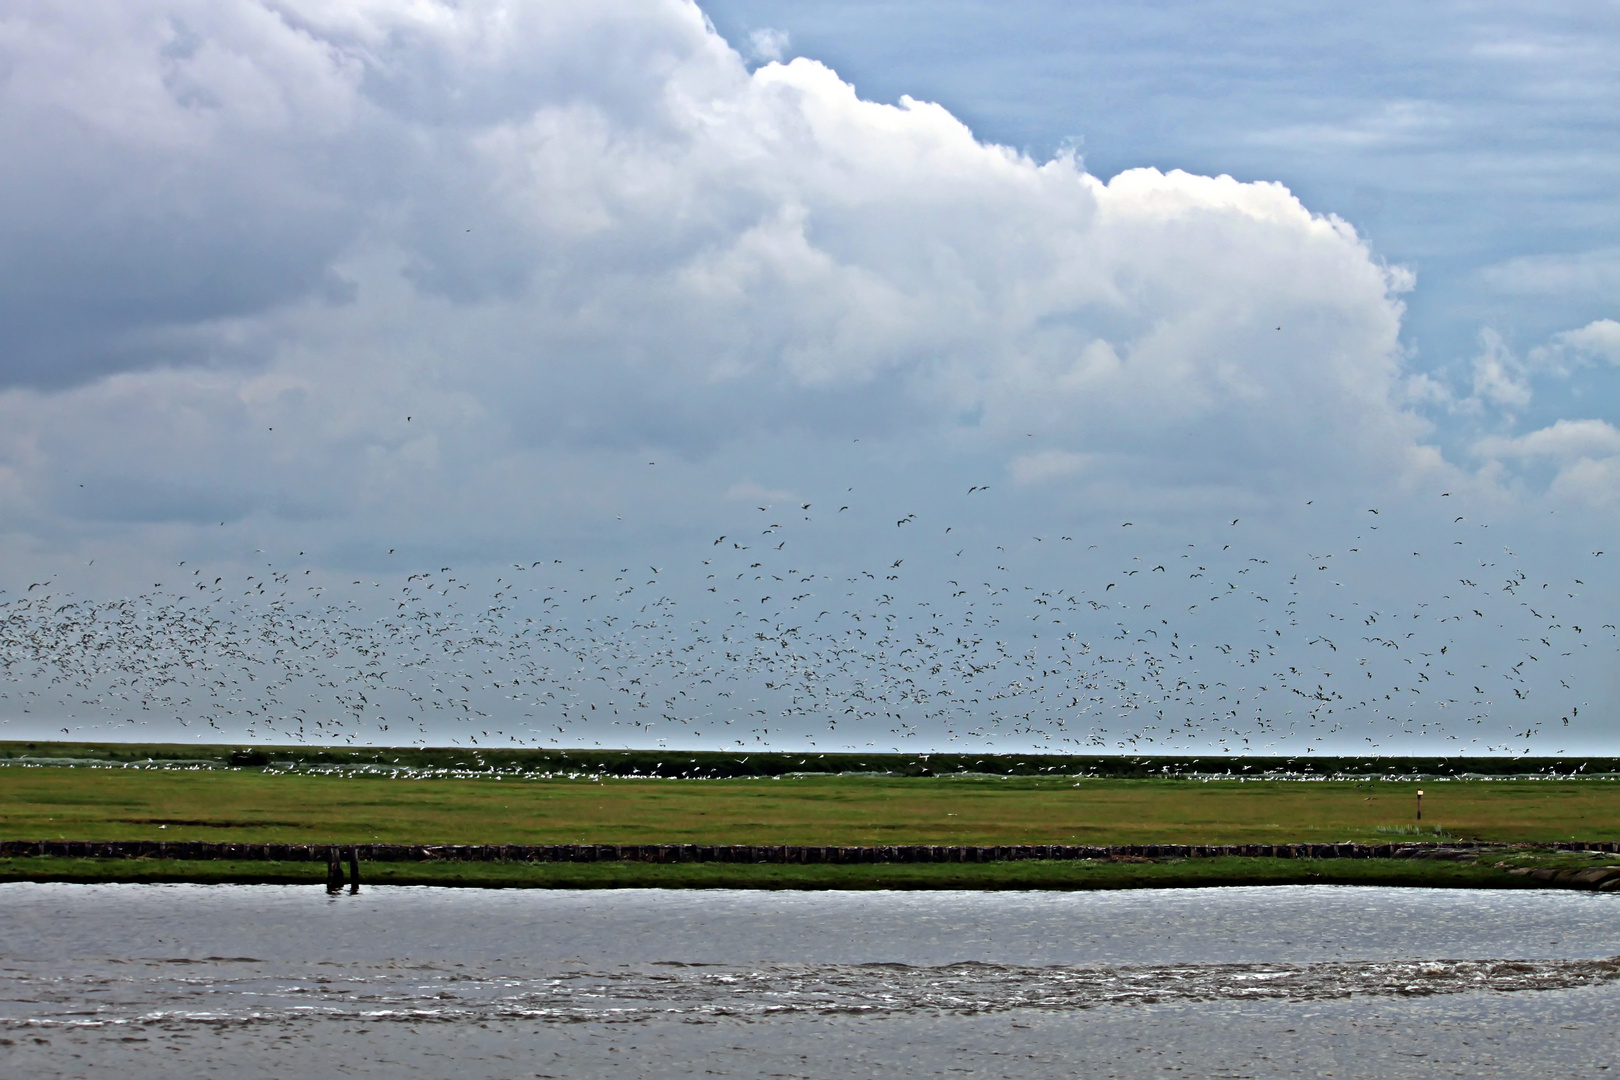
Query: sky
(813, 375)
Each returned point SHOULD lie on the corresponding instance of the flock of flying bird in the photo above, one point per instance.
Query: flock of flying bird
(776, 634)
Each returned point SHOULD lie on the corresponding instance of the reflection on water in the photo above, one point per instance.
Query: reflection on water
(437, 982)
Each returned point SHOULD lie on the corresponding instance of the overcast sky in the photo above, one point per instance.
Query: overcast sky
(374, 289)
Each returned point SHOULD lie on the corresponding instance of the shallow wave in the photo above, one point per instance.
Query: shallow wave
(698, 993)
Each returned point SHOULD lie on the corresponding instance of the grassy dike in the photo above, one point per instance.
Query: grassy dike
(1033, 874)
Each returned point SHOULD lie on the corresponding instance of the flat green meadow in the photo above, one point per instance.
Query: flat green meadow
(42, 802)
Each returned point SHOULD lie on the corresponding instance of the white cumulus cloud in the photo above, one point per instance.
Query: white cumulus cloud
(1597, 340)
(382, 265)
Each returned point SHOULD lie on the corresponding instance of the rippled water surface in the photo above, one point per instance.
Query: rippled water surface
(277, 981)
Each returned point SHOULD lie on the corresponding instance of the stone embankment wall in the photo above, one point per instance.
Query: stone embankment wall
(745, 853)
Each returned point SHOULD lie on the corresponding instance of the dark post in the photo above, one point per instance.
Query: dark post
(334, 871)
(354, 870)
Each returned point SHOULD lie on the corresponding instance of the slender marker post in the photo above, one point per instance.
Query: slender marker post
(1420, 804)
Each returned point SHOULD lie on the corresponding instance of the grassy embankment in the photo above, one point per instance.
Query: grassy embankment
(1173, 873)
(255, 805)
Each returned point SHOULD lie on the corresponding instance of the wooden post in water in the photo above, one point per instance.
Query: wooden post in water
(354, 870)
(334, 871)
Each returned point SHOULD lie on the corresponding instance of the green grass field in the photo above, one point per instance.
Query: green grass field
(77, 803)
